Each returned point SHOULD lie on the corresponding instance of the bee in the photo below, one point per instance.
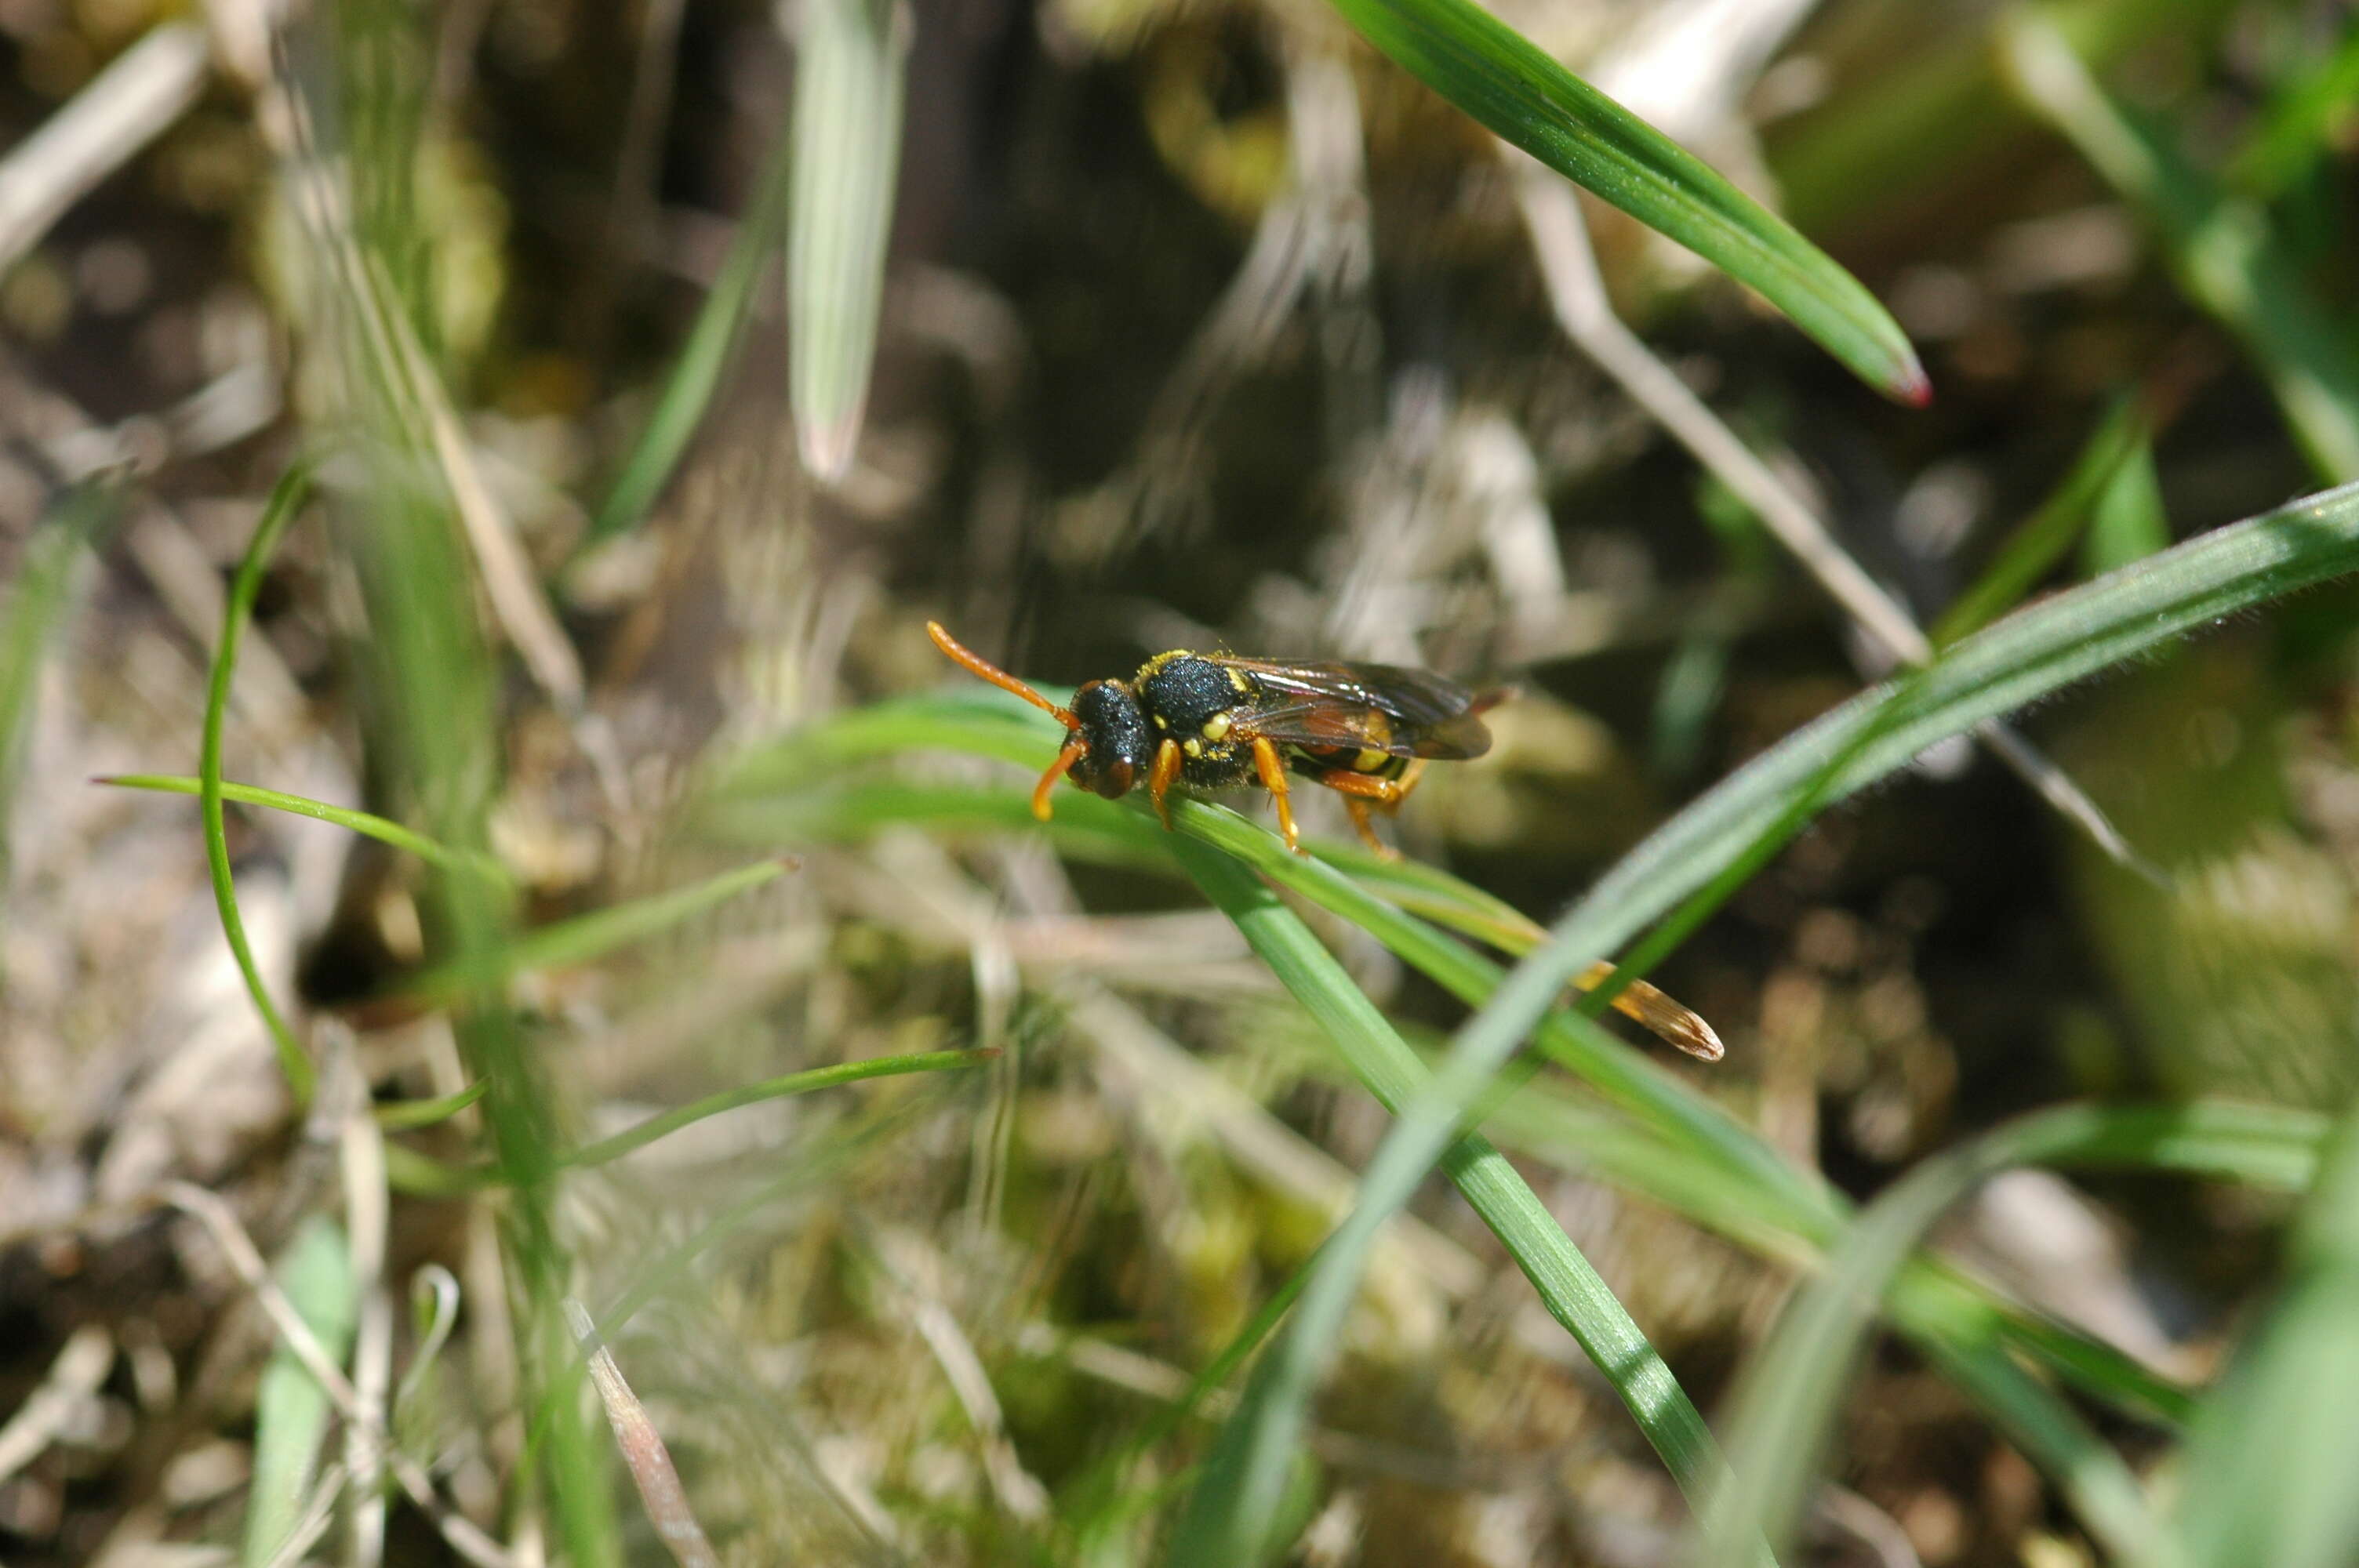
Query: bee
(1215, 721)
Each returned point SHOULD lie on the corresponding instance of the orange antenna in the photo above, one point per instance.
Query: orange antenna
(974, 664)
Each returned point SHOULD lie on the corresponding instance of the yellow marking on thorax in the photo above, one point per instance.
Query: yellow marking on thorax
(1194, 747)
(1158, 662)
(1370, 759)
(1217, 727)
(1237, 679)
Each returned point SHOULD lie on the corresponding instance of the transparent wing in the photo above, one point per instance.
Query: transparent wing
(1384, 708)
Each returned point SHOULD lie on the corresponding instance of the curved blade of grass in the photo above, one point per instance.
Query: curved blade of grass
(586, 937)
(1228, 1517)
(2094, 1478)
(1787, 1401)
(404, 1116)
(1504, 81)
(1261, 1436)
(291, 1409)
(2032, 653)
(366, 824)
(2267, 1471)
(689, 391)
(2221, 247)
(1706, 1164)
(286, 499)
(802, 1083)
(849, 62)
(35, 606)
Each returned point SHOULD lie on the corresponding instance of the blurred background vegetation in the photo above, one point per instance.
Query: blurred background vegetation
(582, 447)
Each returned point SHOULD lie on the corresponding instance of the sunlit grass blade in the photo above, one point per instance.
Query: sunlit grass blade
(2268, 1465)
(286, 499)
(586, 937)
(1421, 1132)
(1229, 1517)
(689, 391)
(30, 614)
(291, 1409)
(1797, 1380)
(366, 824)
(850, 61)
(1690, 1155)
(1507, 83)
(2220, 247)
(611, 1149)
(2130, 523)
(2042, 539)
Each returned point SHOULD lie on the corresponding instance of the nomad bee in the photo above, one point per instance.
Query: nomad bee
(1212, 721)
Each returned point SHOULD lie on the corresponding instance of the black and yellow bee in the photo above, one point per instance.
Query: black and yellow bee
(1214, 720)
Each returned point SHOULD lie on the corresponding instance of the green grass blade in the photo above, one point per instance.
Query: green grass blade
(285, 500)
(2042, 539)
(291, 1409)
(1507, 83)
(802, 1083)
(1788, 1402)
(2267, 1471)
(2094, 1479)
(850, 61)
(688, 392)
(35, 608)
(403, 1116)
(2301, 124)
(366, 824)
(2220, 247)
(586, 937)
(2130, 523)
(1230, 1515)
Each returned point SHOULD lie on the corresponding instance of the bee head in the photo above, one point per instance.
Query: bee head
(1108, 720)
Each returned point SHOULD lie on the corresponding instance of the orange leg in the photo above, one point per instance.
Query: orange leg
(1359, 810)
(1365, 791)
(1160, 780)
(1273, 779)
(1072, 751)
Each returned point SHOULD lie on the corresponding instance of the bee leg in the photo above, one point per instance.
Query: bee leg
(1359, 810)
(1273, 779)
(1363, 792)
(1073, 751)
(1159, 779)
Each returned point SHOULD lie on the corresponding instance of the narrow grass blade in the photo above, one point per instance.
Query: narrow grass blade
(1796, 1381)
(587, 937)
(1229, 1517)
(286, 499)
(291, 1409)
(2130, 523)
(850, 59)
(366, 824)
(2301, 124)
(35, 606)
(2221, 247)
(2267, 1466)
(803, 1083)
(688, 392)
(2042, 539)
(404, 1116)
(1501, 79)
